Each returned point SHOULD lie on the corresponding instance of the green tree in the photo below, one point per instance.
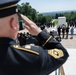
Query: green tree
(32, 14)
(27, 10)
(56, 16)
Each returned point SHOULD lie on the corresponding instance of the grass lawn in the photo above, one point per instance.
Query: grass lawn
(55, 22)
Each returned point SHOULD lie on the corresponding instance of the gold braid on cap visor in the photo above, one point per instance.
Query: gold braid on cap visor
(8, 7)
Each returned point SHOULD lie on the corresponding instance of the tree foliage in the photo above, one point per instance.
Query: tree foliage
(31, 13)
(69, 15)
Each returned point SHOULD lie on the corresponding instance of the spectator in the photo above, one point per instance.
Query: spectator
(72, 32)
(59, 31)
(63, 32)
(67, 32)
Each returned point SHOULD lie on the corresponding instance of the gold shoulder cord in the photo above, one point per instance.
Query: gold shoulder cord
(24, 49)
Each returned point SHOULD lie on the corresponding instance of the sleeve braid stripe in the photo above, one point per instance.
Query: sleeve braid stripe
(47, 41)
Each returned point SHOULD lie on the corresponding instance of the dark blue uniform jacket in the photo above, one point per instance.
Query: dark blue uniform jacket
(31, 59)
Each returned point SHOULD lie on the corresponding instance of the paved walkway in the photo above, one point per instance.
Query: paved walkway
(69, 43)
(70, 65)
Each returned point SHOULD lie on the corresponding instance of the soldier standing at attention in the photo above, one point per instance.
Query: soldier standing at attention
(63, 32)
(67, 32)
(59, 31)
(26, 59)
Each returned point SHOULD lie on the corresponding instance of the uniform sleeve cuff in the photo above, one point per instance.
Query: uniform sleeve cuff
(43, 38)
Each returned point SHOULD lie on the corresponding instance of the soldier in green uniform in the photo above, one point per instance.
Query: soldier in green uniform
(27, 59)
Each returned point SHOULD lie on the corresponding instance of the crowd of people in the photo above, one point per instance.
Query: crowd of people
(64, 31)
(72, 23)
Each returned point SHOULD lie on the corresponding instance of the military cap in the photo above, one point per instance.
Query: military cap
(8, 7)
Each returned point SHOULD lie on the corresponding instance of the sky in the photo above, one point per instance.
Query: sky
(51, 5)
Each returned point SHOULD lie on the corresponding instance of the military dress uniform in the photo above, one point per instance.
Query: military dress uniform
(67, 32)
(59, 31)
(28, 59)
(31, 59)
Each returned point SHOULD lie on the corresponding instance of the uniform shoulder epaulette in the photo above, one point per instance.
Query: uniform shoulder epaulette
(27, 48)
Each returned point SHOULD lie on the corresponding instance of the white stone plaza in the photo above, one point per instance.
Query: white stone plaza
(70, 65)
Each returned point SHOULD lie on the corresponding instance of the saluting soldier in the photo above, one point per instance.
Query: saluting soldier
(27, 59)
